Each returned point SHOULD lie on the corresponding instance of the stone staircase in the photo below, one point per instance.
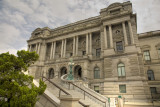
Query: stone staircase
(88, 97)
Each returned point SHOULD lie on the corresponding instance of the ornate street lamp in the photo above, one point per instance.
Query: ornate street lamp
(70, 76)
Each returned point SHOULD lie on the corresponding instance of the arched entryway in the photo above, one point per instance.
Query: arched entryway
(77, 72)
(50, 73)
(63, 71)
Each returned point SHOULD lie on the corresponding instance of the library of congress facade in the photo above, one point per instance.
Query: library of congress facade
(107, 53)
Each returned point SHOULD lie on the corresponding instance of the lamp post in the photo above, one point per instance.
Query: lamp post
(70, 76)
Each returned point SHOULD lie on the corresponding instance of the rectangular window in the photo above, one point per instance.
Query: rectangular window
(98, 52)
(119, 46)
(83, 52)
(122, 88)
(96, 88)
(71, 54)
(146, 55)
(153, 90)
(159, 52)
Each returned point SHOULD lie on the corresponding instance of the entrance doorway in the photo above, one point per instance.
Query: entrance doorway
(50, 73)
(78, 72)
(63, 71)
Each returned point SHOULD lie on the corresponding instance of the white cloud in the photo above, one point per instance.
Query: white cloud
(18, 18)
(10, 37)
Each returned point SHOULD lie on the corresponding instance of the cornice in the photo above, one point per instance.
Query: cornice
(149, 34)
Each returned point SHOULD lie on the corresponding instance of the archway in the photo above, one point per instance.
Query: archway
(63, 71)
(50, 73)
(77, 72)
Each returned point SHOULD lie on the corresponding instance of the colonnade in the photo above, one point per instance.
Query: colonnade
(124, 32)
(37, 49)
(88, 42)
(75, 46)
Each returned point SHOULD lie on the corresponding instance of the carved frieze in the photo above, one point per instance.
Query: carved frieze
(77, 27)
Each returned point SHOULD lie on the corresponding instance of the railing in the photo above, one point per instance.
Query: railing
(60, 89)
(85, 93)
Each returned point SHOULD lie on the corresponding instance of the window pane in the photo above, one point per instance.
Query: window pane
(96, 73)
(123, 71)
(122, 88)
(119, 46)
(159, 51)
(153, 89)
(119, 72)
(146, 55)
(83, 52)
(150, 74)
(98, 52)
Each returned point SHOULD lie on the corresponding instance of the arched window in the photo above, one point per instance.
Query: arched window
(121, 69)
(96, 73)
(150, 74)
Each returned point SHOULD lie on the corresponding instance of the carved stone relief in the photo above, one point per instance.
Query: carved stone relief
(117, 32)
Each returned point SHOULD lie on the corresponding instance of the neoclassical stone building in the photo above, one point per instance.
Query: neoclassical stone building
(107, 52)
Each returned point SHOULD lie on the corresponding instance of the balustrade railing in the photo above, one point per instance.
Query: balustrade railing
(77, 85)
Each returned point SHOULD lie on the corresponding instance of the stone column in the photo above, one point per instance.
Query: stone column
(76, 45)
(90, 43)
(131, 32)
(87, 43)
(74, 40)
(36, 48)
(39, 47)
(30, 48)
(54, 50)
(105, 38)
(64, 53)
(110, 35)
(62, 48)
(125, 34)
(51, 51)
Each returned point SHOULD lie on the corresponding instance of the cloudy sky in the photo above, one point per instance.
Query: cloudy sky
(18, 18)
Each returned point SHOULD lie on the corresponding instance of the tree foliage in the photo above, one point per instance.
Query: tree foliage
(16, 88)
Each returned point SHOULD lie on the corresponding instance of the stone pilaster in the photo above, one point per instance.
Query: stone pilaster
(62, 48)
(39, 47)
(74, 40)
(64, 53)
(36, 47)
(125, 34)
(76, 45)
(131, 32)
(105, 38)
(90, 43)
(87, 43)
(110, 36)
(51, 51)
(54, 50)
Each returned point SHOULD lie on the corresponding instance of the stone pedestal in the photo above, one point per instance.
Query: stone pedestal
(69, 101)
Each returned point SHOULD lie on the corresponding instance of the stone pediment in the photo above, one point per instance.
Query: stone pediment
(114, 5)
(40, 32)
